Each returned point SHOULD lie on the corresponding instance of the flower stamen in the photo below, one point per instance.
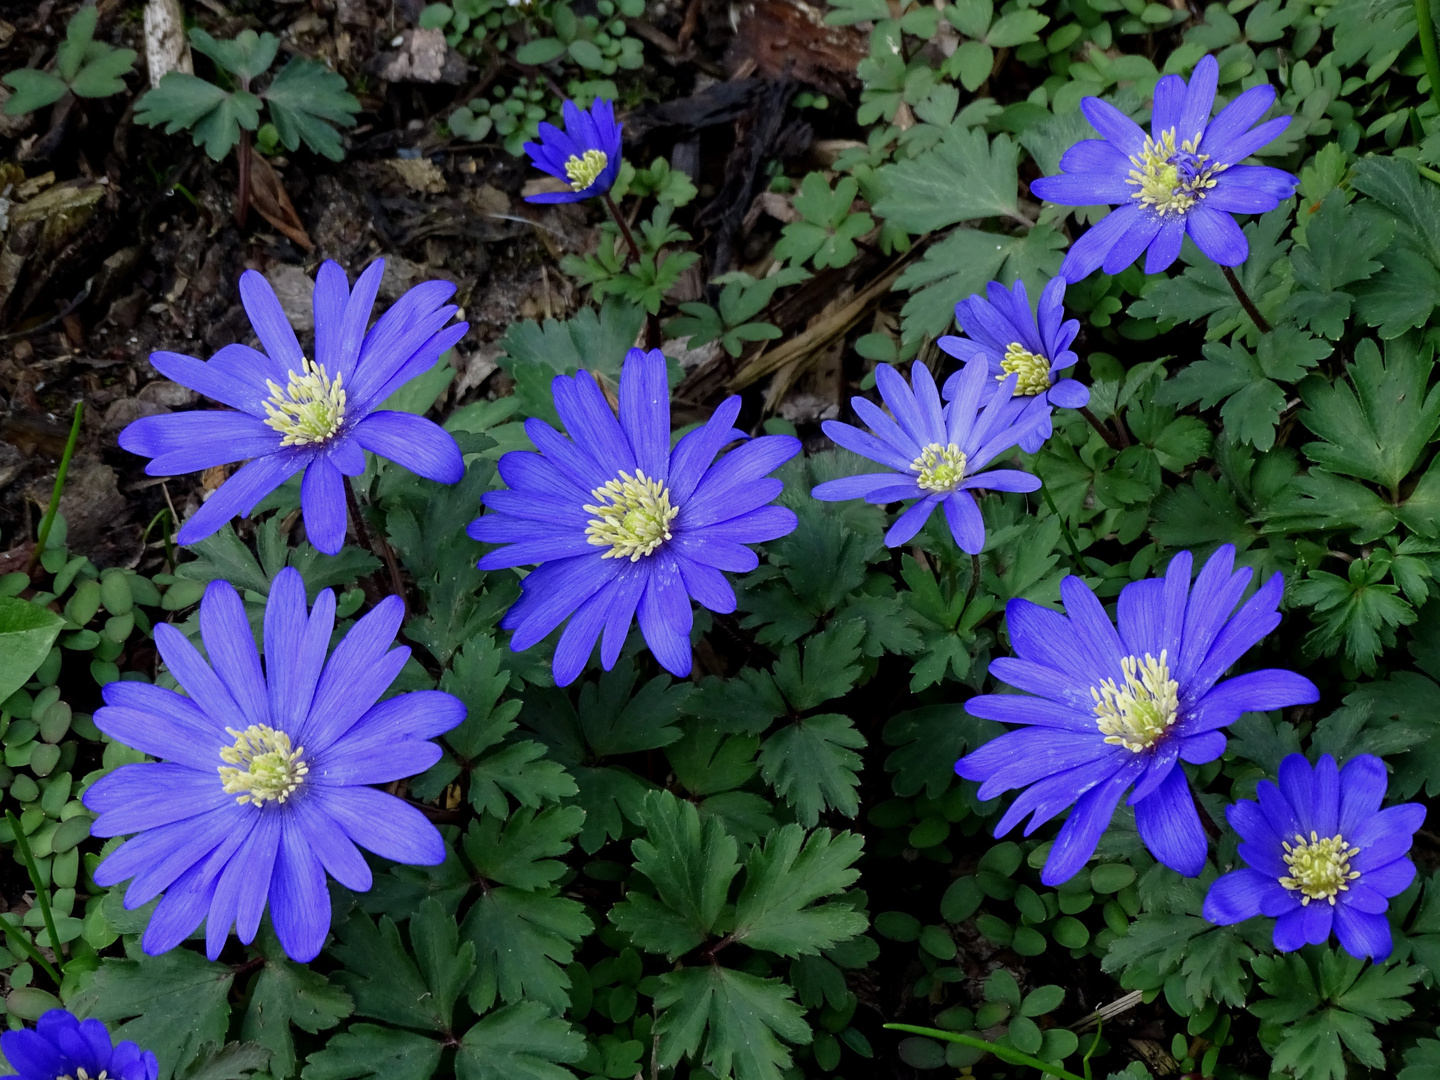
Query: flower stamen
(261, 766)
(632, 516)
(84, 1074)
(1138, 715)
(1033, 369)
(1171, 178)
(941, 468)
(310, 409)
(1319, 868)
(584, 170)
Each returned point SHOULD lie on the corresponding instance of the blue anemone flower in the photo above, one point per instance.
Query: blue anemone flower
(294, 412)
(1108, 708)
(1320, 855)
(64, 1048)
(935, 453)
(1185, 177)
(265, 780)
(623, 525)
(1005, 334)
(586, 155)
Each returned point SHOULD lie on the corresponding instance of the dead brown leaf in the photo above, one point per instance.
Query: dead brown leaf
(268, 197)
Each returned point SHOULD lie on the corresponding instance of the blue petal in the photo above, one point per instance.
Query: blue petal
(299, 901)
(1216, 234)
(1170, 825)
(1362, 934)
(666, 617)
(295, 646)
(1110, 122)
(268, 318)
(230, 643)
(239, 495)
(420, 445)
(1234, 121)
(645, 411)
(381, 823)
(359, 671)
(1236, 896)
(1082, 829)
(1199, 99)
(695, 451)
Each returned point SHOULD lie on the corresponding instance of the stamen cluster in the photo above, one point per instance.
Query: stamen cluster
(262, 766)
(632, 516)
(1171, 179)
(1032, 368)
(1138, 715)
(583, 169)
(941, 468)
(310, 409)
(1319, 868)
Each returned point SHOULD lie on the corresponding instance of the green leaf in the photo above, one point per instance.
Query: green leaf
(175, 1004)
(524, 853)
(1422, 1061)
(783, 879)
(1358, 611)
(519, 1042)
(691, 866)
(213, 116)
(307, 100)
(27, 632)
(964, 177)
(415, 987)
(535, 353)
(365, 1050)
(829, 666)
(235, 1061)
(1340, 245)
(728, 1021)
(33, 90)
(225, 557)
(246, 56)
(928, 742)
(284, 993)
(1376, 423)
(522, 942)
(103, 75)
(812, 764)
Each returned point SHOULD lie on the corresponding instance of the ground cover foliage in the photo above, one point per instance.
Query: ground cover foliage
(745, 873)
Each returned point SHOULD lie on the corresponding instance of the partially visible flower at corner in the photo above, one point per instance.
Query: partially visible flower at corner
(1320, 855)
(1185, 177)
(1108, 708)
(289, 412)
(62, 1047)
(266, 778)
(1006, 335)
(624, 526)
(935, 453)
(585, 156)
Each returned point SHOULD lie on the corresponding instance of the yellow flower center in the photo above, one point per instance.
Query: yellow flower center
(1138, 714)
(1171, 179)
(582, 171)
(1033, 369)
(941, 468)
(261, 766)
(632, 516)
(310, 409)
(84, 1074)
(1319, 869)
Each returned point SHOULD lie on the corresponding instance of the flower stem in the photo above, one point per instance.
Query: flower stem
(624, 227)
(1105, 433)
(1004, 1053)
(397, 587)
(43, 537)
(1064, 526)
(974, 579)
(1426, 26)
(42, 894)
(1261, 323)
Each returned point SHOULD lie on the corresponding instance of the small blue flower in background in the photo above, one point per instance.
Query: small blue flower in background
(1108, 708)
(264, 782)
(586, 155)
(1184, 177)
(1320, 855)
(935, 453)
(1005, 334)
(623, 525)
(294, 412)
(64, 1048)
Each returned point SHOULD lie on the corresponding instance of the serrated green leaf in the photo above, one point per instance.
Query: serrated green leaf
(522, 853)
(27, 633)
(691, 866)
(829, 667)
(964, 177)
(213, 116)
(307, 100)
(246, 56)
(783, 879)
(174, 1005)
(414, 987)
(33, 90)
(522, 942)
(103, 75)
(284, 993)
(728, 1021)
(518, 1042)
(365, 1050)
(812, 764)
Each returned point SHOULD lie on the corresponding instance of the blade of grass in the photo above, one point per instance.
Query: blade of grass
(1004, 1053)
(44, 536)
(16, 937)
(42, 894)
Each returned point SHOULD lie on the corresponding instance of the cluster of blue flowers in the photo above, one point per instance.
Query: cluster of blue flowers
(265, 782)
